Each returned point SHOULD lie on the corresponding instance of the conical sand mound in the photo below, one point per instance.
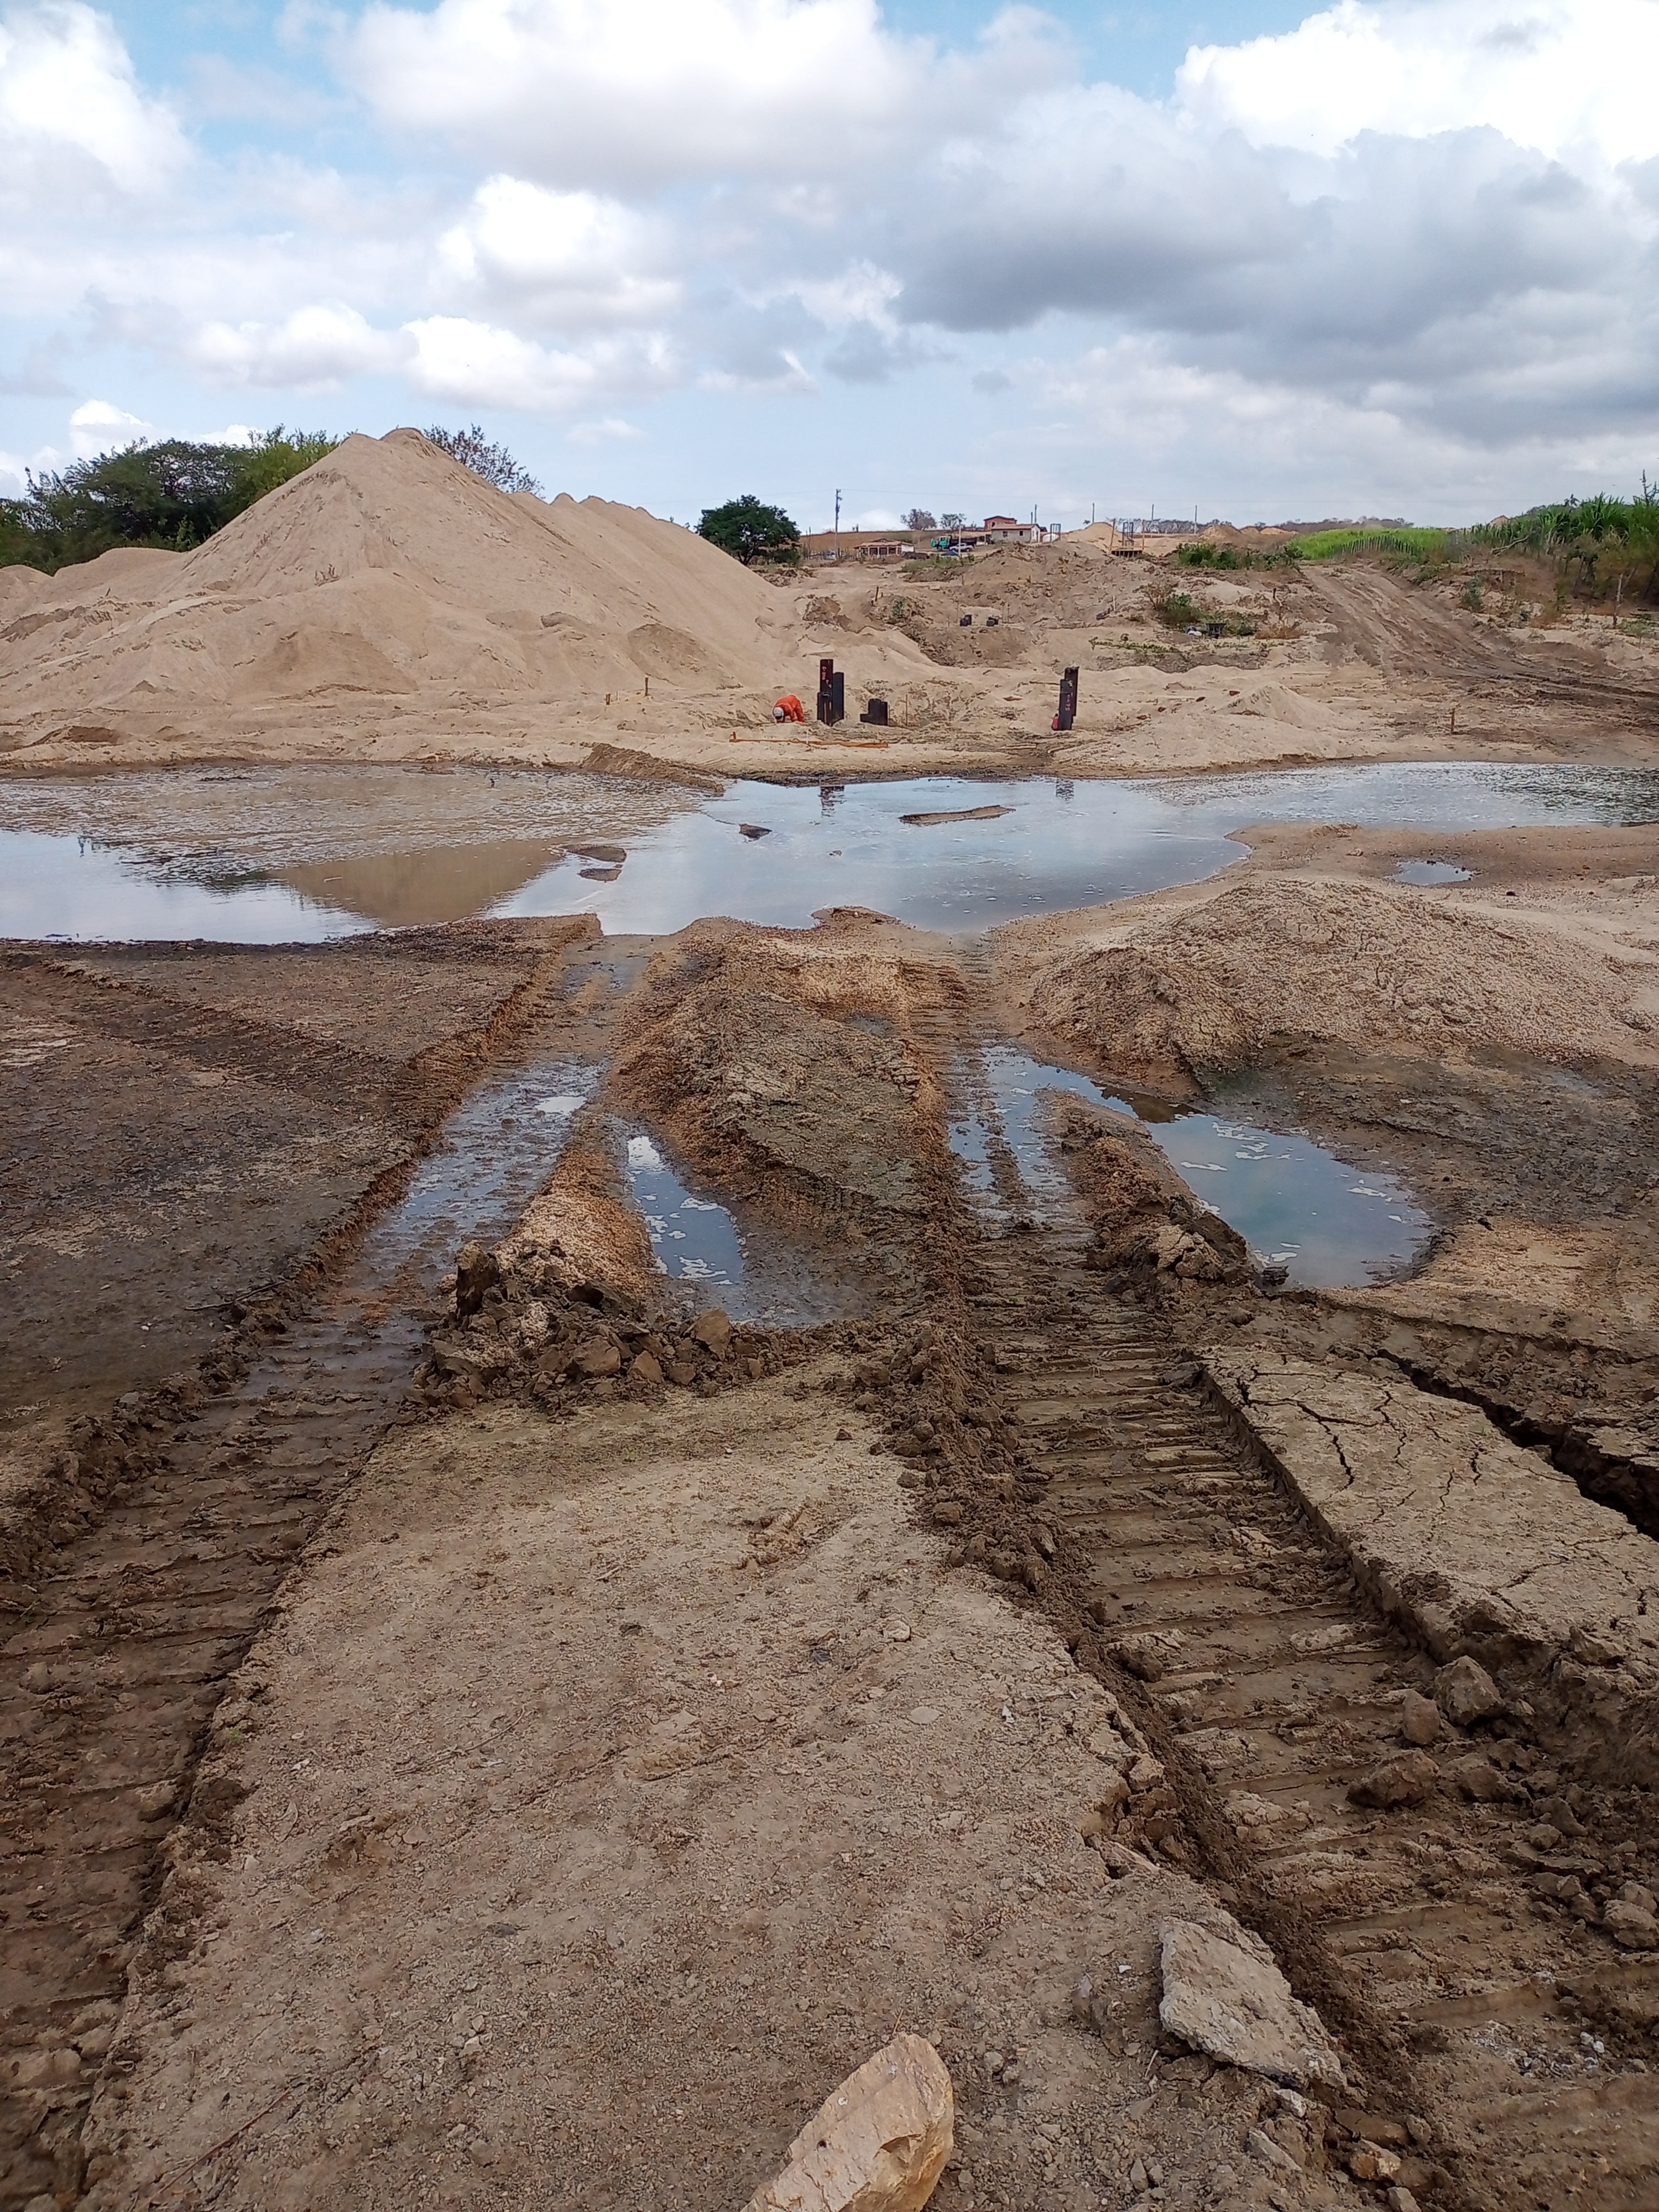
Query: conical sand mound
(386, 601)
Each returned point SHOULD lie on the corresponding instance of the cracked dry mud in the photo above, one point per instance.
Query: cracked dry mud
(487, 1743)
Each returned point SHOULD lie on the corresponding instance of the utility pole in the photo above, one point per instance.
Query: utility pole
(838, 523)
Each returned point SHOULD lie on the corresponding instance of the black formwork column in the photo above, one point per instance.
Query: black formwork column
(1068, 713)
(832, 692)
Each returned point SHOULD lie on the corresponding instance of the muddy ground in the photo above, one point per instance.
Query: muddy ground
(601, 1919)
(479, 1729)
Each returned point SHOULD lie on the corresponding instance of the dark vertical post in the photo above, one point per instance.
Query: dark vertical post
(826, 690)
(838, 697)
(1068, 713)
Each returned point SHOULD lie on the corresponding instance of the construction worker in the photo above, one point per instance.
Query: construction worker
(789, 709)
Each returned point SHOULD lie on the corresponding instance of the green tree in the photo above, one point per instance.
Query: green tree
(493, 463)
(172, 495)
(272, 459)
(751, 532)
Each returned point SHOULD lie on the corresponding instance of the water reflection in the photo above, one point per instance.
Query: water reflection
(1432, 871)
(316, 857)
(1295, 1203)
(695, 1240)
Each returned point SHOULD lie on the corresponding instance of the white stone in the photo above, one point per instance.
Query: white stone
(878, 2144)
(1223, 1995)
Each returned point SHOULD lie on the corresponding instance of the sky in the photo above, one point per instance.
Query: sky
(1237, 259)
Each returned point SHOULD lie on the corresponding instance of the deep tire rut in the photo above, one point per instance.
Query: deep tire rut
(1430, 1936)
(110, 1683)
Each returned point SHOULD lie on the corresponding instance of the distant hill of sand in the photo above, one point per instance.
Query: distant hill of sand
(382, 602)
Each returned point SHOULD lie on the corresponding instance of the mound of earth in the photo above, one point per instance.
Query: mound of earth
(1163, 990)
(385, 579)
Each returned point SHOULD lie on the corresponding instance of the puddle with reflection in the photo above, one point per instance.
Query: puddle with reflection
(497, 1149)
(698, 1245)
(696, 1241)
(1294, 1202)
(1432, 871)
(280, 855)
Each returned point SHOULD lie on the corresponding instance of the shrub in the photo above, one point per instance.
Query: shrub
(174, 495)
(1326, 545)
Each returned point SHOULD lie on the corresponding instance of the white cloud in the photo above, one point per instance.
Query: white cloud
(564, 259)
(1560, 76)
(476, 364)
(612, 430)
(70, 102)
(641, 91)
(98, 426)
(314, 349)
(779, 374)
(1411, 234)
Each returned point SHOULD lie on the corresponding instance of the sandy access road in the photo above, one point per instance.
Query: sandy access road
(386, 606)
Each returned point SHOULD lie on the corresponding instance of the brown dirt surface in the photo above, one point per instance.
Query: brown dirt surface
(584, 1731)
(509, 1736)
(230, 1112)
(788, 1058)
(734, 1773)
(1200, 981)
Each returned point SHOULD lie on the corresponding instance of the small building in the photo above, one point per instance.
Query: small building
(1004, 529)
(857, 545)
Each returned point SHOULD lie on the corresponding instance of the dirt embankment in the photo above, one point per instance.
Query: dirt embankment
(1492, 1043)
(1172, 990)
(784, 1065)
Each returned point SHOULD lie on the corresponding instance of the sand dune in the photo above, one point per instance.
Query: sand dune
(385, 581)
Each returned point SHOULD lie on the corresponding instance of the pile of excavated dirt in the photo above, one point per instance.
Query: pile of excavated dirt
(1167, 991)
(786, 1060)
(388, 605)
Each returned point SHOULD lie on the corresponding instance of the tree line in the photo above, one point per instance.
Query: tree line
(175, 494)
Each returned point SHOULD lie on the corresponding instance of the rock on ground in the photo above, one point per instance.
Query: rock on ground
(1223, 1995)
(876, 2144)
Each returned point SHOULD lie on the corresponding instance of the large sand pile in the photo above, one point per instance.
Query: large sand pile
(386, 585)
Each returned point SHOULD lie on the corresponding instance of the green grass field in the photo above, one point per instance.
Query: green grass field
(1324, 544)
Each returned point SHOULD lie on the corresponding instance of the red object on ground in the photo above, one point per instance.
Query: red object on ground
(789, 709)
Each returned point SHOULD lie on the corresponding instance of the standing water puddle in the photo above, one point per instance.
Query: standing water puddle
(1432, 871)
(695, 1240)
(1295, 1203)
(324, 853)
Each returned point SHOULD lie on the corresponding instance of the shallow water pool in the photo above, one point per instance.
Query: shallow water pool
(695, 1240)
(1295, 1203)
(320, 858)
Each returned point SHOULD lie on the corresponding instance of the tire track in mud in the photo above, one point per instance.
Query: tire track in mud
(113, 1676)
(1496, 2043)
